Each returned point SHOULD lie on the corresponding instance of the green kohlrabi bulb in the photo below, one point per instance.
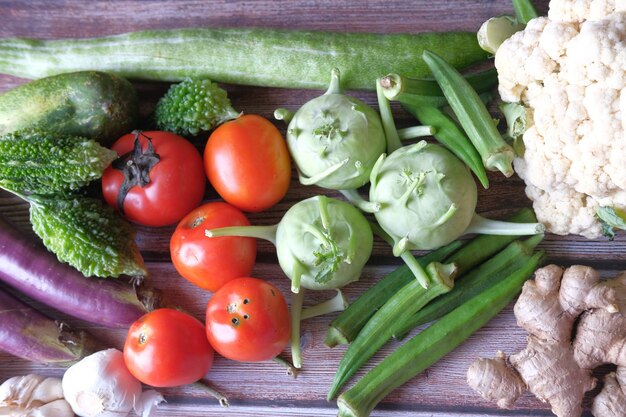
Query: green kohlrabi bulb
(323, 243)
(427, 196)
(335, 139)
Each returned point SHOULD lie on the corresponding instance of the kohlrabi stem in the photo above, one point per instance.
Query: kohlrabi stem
(334, 87)
(296, 312)
(389, 126)
(291, 370)
(359, 202)
(283, 114)
(485, 226)
(408, 258)
(482, 247)
(338, 303)
(298, 271)
(205, 386)
(322, 203)
(259, 232)
(314, 179)
(414, 132)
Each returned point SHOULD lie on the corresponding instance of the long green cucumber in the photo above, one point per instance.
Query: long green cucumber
(432, 344)
(263, 57)
(91, 104)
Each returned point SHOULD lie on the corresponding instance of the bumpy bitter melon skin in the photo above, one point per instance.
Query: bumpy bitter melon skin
(84, 233)
(38, 162)
(93, 104)
(192, 107)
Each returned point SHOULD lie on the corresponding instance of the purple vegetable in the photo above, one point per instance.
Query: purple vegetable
(35, 272)
(30, 335)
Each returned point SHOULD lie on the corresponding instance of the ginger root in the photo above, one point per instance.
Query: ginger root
(555, 368)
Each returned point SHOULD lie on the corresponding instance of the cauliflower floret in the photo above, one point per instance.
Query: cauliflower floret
(580, 10)
(580, 208)
(571, 73)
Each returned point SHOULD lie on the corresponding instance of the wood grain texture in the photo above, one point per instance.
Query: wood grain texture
(263, 389)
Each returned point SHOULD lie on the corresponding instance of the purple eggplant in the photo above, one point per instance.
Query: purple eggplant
(31, 335)
(36, 273)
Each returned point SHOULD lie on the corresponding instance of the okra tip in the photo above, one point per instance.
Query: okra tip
(501, 160)
(335, 337)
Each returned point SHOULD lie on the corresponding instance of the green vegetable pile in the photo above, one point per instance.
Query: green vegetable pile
(48, 170)
(421, 196)
(48, 165)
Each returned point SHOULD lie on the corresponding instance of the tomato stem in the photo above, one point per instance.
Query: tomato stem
(205, 386)
(136, 167)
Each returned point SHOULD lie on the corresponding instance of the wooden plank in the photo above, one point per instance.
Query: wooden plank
(263, 389)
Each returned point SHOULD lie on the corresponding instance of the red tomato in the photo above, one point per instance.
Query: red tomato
(176, 179)
(211, 262)
(167, 348)
(247, 320)
(247, 162)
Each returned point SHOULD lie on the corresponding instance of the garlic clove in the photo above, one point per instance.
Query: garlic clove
(47, 391)
(18, 389)
(147, 403)
(56, 408)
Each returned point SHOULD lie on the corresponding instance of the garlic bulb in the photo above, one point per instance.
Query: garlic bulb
(100, 385)
(33, 396)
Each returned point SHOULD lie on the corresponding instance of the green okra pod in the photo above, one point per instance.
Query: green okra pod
(432, 344)
(487, 274)
(378, 330)
(345, 327)
(482, 247)
(473, 115)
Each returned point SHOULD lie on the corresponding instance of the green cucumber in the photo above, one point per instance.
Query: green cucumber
(91, 104)
(263, 57)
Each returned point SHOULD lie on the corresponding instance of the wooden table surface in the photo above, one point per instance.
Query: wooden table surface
(263, 389)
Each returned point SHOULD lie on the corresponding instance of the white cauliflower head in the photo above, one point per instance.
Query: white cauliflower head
(570, 70)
